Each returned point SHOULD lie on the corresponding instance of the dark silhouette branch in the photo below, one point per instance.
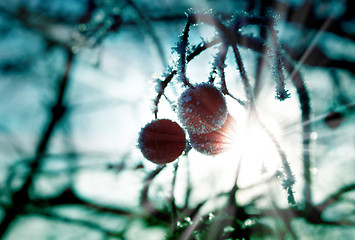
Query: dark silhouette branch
(68, 197)
(306, 134)
(21, 197)
(85, 223)
(335, 197)
(145, 202)
(172, 199)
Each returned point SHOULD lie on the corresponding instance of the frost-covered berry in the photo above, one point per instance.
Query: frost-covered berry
(217, 141)
(162, 141)
(202, 109)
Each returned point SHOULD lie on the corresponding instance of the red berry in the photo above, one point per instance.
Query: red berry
(333, 119)
(202, 109)
(162, 141)
(215, 142)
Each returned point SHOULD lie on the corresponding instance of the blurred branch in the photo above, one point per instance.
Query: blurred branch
(172, 198)
(52, 31)
(302, 15)
(313, 215)
(320, 59)
(21, 197)
(305, 15)
(145, 202)
(335, 197)
(304, 101)
(85, 223)
(189, 186)
(12, 141)
(145, 21)
(286, 218)
(68, 197)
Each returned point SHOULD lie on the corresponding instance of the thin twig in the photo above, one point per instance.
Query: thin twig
(163, 84)
(304, 100)
(172, 198)
(181, 49)
(278, 68)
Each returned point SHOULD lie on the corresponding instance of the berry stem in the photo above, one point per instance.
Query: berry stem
(231, 38)
(168, 78)
(181, 49)
(277, 67)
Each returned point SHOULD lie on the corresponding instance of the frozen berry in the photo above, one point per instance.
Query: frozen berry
(333, 119)
(202, 109)
(162, 141)
(215, 142)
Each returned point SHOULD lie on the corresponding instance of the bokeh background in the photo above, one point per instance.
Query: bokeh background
(77, 83)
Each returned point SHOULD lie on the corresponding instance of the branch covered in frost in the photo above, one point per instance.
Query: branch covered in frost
(304, 100)
(287, 177)
(181, 49)
(277, 67)
(162, 84)
(160, 88)
(229, 37)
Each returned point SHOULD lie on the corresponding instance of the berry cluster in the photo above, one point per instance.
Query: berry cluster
(202, 111)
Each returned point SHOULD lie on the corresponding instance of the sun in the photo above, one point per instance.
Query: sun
(259, 139)
(254, 149)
